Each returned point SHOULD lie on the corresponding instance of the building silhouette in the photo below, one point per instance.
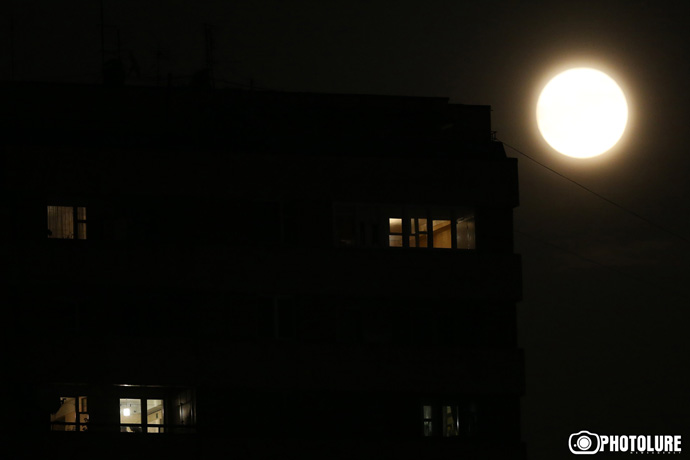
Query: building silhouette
(197, 272)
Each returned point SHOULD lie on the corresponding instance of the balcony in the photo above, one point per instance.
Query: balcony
(430, 274)
(275, 365)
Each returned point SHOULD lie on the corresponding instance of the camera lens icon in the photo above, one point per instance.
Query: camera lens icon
(584, 443)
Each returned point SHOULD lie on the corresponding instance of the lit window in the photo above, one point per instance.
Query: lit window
(395, 232)
(71, 415)
(130, 415)
(432, 228)
(154, 415)
(133, 418)
(419, 234)
(451, 423)
(163, 411)
(442, 234)
(67, 222)
(396, 226)
(427, 421)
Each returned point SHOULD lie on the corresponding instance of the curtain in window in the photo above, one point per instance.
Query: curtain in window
(61, 222)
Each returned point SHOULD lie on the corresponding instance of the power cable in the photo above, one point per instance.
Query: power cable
(598, 195)
(640, 281)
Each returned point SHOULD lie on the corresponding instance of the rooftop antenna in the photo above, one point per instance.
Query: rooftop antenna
(102, 38)
(159, 55)
(112, 68)
(210, 46)
(12, 40)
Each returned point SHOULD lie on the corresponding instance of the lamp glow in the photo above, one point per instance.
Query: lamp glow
(126, 412)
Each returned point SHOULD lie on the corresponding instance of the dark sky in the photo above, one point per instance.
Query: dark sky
(605, 313)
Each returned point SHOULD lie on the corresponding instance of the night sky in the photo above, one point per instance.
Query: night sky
(604, 320)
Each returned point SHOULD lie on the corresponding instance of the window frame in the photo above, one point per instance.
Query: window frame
(370, 225)
(144, 424)
(412, 215)
(464, 418)
(452, 411)
(170, 396)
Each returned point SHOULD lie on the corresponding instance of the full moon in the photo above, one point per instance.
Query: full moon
(582, 113)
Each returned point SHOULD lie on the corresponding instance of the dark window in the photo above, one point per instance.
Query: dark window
(285, 318)
(351, 325)
(449, 420)
(464, 231)
(357, 225)
(345, 225)
(183, 412)
(277, 318)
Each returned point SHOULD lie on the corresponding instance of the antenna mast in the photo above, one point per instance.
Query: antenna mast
(210, 47)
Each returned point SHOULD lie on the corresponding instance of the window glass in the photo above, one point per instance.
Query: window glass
(66, 222)
(142, 410)
(154, 415)
(345, 225)
(182, 412)
(465, 233)
(130, 415)
(395, 230)
(450, 421)
(64, 418)
(418, 232)
(442, 234)
(427, 421)
(285, 318)
(81, 223)
(71, 414)
(412, 226)
(60, 222)
(395, 225)
(142, 415)
(472, 420)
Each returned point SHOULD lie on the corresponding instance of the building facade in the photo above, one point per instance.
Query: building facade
(266, 275)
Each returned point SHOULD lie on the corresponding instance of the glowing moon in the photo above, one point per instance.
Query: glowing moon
(582, 113)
